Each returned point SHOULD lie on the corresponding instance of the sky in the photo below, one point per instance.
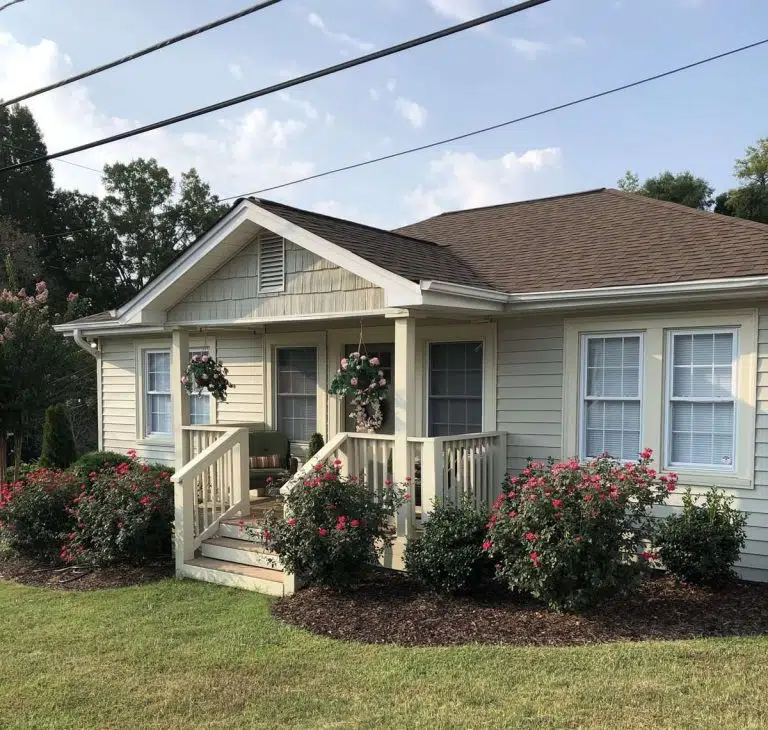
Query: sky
(700, 120)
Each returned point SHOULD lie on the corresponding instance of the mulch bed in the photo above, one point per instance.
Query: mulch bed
(44, 575)
(391, 609)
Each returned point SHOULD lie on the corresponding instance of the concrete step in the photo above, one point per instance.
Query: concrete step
(240, 551)
(235, 575)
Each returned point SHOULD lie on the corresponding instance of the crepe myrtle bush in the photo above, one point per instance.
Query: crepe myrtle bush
(333, 528)
(570, 533)
(701, 543)
(121, 515)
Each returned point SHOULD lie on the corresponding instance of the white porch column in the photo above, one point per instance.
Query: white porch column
(179, 397)
(405, 411)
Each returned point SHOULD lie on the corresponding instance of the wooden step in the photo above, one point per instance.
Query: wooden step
(235, 575)
(240, 551)
(234, 530)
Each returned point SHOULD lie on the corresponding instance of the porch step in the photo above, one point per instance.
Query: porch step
(237, 530)
(235, 575)
(240, 551)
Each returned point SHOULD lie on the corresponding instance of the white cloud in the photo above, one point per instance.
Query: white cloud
(463, 180)
(530, 50)
(374, 94)
(236, 70)
(458, 9)
(391, 85)
(317, 22)
(309, 109)
(242, 152)
(412, 111)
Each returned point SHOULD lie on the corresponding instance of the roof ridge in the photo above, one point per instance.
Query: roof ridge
(346, 220)
(591, 191)
(710, 215)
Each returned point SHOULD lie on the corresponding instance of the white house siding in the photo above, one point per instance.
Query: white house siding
(312, 286)
(530, 388)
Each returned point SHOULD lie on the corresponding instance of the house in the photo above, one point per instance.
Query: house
(572, 325)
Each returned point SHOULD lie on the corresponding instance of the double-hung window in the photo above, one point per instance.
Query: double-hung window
(701, 399)
(611, 401)
(157, 384)
(296, 392)
(455, 388)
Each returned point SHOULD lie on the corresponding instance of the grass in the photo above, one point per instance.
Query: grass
(179, 654)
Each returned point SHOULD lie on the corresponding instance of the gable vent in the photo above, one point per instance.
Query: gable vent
(271, 263)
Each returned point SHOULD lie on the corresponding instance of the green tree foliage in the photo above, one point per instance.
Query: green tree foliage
(58, 442)
(19, 256)
(683, 188)
(629, 182)
(750, 199)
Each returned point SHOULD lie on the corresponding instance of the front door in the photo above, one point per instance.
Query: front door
(386, 354)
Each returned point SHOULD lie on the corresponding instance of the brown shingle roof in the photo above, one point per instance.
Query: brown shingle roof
(597, 238)
(91, 318)
(404, 255)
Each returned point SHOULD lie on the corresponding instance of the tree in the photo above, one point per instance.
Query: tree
(153, 225)
(750, 199)
(19, 257)
(683, 188)
(24, 194)
(58, 442)
(629, 182)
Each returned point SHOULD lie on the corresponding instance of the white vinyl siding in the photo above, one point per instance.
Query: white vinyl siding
(157, 381)
(455, 388)
(296, 392)
(701, 402)
(611, 403)
(271, 264)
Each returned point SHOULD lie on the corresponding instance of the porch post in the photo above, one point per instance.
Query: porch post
(405, 411)
(179, 398)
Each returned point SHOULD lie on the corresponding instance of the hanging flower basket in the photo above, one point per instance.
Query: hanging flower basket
(360, 379)
(206, 373)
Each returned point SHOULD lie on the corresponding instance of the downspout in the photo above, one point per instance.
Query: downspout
(83, 345)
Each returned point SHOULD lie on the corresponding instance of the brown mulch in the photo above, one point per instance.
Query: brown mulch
(390, 608)
(44, 575)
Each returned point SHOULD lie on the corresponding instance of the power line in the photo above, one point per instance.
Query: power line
(500, 125)
(329, 70)
(67, 162)
(138, 54)
(8, 5)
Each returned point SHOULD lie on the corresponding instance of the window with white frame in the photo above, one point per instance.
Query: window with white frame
(455, 403)
(199, 403)
(701, 399)
(296, 392)
(611, 401)
(157, 385)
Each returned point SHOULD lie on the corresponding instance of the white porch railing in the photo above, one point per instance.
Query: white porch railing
(449, 467)
(212, 486)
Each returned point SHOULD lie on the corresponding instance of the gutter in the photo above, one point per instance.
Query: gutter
(83, 344)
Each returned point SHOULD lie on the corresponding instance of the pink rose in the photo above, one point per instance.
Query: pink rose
(184, 379)
(383, 382)
(292, 522)
(205, 358)
(353, 382)
(354, 523)
(374, 361)
(344, 363)
(322, 532)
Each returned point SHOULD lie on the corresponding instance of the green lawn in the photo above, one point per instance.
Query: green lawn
(192, 655)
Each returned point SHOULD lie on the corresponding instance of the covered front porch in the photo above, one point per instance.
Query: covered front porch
(438, 437)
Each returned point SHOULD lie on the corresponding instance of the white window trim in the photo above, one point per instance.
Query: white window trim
(585, 337)
(270, 289)
(668, 398)
(485, 332)
(655, 328)
(274, 342)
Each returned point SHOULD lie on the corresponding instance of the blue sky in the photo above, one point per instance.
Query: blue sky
(699, 120)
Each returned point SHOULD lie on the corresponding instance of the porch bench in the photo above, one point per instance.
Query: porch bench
(261, 446)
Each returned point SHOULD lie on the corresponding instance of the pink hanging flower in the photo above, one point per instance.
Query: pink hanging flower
(72, 297)
(374, 361)
(353, 382)
(322, 532)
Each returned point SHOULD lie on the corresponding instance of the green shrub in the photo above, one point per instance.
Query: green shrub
(316, 443)
(34, 512)
(449, 557)
(58, 442)
(701, 544)
(569, 533)
(97, 461)
(337, 528)
(122, 515)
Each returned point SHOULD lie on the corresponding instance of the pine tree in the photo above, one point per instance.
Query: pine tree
(58, 442)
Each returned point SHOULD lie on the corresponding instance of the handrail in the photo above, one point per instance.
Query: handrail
(206, 457)
(456, 437)
(307, 468)
(371, 436)
(219, 427)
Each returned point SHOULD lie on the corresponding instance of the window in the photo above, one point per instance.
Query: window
(271, 264)
(701, 401)
(296, 392)
(157, 383)
(611, 408)
(199, 403)
(455, 403)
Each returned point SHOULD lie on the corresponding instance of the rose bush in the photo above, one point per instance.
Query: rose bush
(336, 528)
(570, 533)
(34, 512)
(121, 515)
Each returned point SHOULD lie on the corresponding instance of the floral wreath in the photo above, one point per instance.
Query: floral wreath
(206, 373)
(360, 379)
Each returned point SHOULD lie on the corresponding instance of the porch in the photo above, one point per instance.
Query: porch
(213, 502)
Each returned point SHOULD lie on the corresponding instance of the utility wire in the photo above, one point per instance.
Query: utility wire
(138, 54)
(329, 70)
(8, 5)
(67, 162)
(500, 125)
